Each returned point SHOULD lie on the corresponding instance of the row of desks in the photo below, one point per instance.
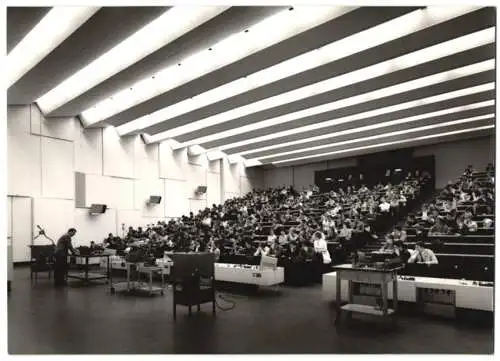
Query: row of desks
(339, 286)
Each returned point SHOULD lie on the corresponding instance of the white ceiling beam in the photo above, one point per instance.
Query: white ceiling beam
(367, 39)
(55, 27)
(174, 23)
(237, 46)
(380, 146)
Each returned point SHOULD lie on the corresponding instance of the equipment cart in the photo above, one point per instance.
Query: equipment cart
(89, 268)
(135, 282)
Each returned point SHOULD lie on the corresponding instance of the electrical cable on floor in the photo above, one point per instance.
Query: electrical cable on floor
(222, 297)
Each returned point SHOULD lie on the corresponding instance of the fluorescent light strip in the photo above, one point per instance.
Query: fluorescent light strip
(391, 134)
(237, 46)
(329, 85)
(380, 145)
(316, 58)
(166, 28)
(380, 93)
(55, 27)
(328, 53)
(362, 129)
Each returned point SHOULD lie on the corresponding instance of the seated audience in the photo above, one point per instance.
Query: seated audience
(423, 255)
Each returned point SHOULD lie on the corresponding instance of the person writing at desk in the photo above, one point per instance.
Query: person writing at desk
(423, 255)
(61, 257)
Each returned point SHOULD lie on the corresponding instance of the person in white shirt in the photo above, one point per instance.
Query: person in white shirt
(283, 238)
(321, 256)
(384, 206)
(487, 222)
(272, 236)
(207, 221)
(423, 255)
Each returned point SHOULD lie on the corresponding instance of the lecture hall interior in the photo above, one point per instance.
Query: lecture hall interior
(215, 179)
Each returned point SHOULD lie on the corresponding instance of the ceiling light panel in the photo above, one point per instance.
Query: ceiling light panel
(483, 118)
(381, 145)
(358, 99)
(404, 25)
(371, 113)
(55, 27)
(355, 130)
(270, 31)
(406, 61)
(163, 30)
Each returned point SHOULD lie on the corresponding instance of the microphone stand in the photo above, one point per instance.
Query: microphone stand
(41, 232)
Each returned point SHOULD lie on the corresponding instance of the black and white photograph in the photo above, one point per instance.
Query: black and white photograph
(249, 179)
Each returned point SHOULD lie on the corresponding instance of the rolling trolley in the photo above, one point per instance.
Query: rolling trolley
(135, 284)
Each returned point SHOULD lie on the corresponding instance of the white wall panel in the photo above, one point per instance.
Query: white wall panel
(196, 205)
(98, 190)
(93, 227)
(58, 177)
(214, 166)
(56, 216)
(196, 176)
(118, 154)
(245, 185)
(22, 235)
(147, 161)
(230, 195)
(88, 150)
(278, 177)
(213, 189)
(129, 218)
(176, 199)
(231, 176)
(172, 162)
(199, 160)
(143, 190)
(60, 127)
(123, 193)
(24, 165)
(35, 120)
(18, 119)
(303, 175)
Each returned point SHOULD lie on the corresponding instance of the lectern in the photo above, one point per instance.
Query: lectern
(193, 280)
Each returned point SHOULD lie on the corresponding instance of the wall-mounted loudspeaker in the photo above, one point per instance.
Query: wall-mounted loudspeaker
(154, 199)
(201, 189)
(98, 208)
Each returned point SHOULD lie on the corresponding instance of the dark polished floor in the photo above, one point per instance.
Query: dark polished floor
(44, 320)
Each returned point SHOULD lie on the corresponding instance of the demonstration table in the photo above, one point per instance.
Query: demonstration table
(84, 272)
(367, 275)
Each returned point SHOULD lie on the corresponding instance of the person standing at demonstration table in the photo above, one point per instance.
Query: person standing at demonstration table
(61, 257)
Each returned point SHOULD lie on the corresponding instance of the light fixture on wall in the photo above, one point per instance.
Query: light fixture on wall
(154, 200)
(97, 209)
(201, 190)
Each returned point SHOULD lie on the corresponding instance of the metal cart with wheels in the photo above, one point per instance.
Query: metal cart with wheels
(134, 282)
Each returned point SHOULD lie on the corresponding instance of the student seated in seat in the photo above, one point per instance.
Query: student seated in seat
(439, 228)
(423, 255)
